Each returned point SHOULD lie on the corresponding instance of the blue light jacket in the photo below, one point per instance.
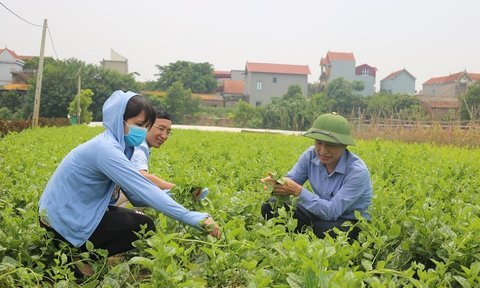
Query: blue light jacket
(79, 191)
(338, 195)
(141, 156)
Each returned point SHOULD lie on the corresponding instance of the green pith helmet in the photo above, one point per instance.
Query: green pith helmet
(331, 128)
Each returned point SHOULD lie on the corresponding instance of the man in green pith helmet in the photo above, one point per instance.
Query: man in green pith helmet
(340, 180)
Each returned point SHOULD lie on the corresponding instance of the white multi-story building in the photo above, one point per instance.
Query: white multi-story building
(10, 63)
(342, 65)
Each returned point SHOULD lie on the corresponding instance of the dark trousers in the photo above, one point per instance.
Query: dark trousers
(116, 230)
(306, 218)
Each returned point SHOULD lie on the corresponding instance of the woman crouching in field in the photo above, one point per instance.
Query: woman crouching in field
(75, 203)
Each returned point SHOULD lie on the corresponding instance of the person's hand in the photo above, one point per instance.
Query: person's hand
(199, 193)
(212, 228)
(268, 181)
(285, 188)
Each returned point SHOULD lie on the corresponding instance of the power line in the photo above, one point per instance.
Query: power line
(19, 16)
(48, 29)
(51, 40)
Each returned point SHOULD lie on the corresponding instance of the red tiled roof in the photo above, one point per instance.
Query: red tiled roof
(366, 66)
(11, 52)
(336, 56)
(452, 78)
(340, 56)
(393, 74)
(233, 86)
(221, 74)
(20, 57)
(396, 73)
(475, 76)
(435, 80)
(277, 68)
(26, 58)
(371, 70)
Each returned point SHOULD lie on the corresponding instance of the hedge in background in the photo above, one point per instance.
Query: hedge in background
(7, 126)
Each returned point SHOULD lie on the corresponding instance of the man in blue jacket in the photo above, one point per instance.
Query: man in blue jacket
(339, 178)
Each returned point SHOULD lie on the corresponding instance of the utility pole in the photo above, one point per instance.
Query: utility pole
(79, 87)
(38, 87)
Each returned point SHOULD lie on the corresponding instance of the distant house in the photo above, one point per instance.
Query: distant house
(213, 100)
(399, 82)
(453, 85)
(237, 75)
(116, 63)
(440, 106)
(337, 65)
(230, 86)
(342, 65)
(10, 63)
(366, 74)
(441, 95)
(264, 81)
(220, 77)
(233, 92)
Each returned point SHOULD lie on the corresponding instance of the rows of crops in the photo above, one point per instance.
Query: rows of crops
(424, 232)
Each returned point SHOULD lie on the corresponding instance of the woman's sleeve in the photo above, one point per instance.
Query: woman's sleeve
(120, 170)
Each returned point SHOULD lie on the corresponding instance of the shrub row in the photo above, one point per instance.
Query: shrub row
(7, 126)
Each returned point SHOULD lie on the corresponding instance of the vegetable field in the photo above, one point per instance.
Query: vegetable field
(424, 232)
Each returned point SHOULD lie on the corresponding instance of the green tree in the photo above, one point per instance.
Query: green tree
(246, 115)
(85, 102)
(5, 113)
(314, 88)
(345, 94)
(103, 82)
(288, 112)
(270, 117)
(471, 103)
(33, 63)
(386, 105)
(294, 92)
(296, 108)
(159, 102)
(198, 77)
(149, 86)
(58, 85)
(316, 105)
(180, 102)
(357, 86)
(60, 82)
(294, 104)
(282, 112)
(15, 101)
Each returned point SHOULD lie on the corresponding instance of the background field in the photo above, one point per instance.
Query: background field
(424, 230)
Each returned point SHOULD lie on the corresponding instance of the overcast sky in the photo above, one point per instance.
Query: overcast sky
(429, 38)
